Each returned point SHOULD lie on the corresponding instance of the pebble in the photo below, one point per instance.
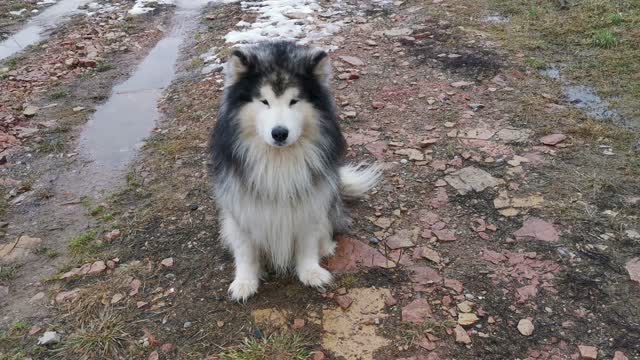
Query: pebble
(588, 352)
(49, 337)
(168, 262)
(525, 326)
(461, 335)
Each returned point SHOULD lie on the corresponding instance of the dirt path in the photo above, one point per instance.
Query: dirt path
(505, 227)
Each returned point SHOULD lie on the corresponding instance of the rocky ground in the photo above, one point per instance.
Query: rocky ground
(506, 226)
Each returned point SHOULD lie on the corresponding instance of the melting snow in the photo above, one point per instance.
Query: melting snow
(140, 7)
(282, 19)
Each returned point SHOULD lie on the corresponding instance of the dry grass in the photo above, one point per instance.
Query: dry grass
(104, 337)
(281, 347)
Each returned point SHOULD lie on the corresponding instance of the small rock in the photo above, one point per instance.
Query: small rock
(461, 84)
(168, 262)
(112, 235)
(78, 109)
(633, 268)
(471, 179)
(166, 347)
(116, 298)
(553, 139)
(187, 324)
(525, 326)
(619, 355)
(377, 105)
(467, 319)
(344, 301)
(413, 154)
(30, 111)
(461, 335)
(220, 323)
(34, 330)
(454, 285)
(37, 297)
(318, 355)
(537, 229)
(465, 306)
(67, 296)
(588, 352)
(298, 324)
(97, 268)
(154, 356)
(352, 60)
(416, 312)
(49, 337)
(390, 301)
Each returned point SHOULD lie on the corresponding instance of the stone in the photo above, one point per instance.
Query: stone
(168, 262)
(117, 298)
(461, 335)
(412, 154)
(352, 60)
(525, 327)
(467, 319)
(553, 139)
(298, 324)
(512, 135)
(377, 105)
(351, 254)
(633, 268)
(471, 179)
(4, 292)
(465, 306)
(427, 253)
(112, 235)
(30, 111)
(416, 311)
(454, 285)
(67, 296)
(588, 352)
(318, 355)
(535, 228)
(397, 32)
(404, 238)
(619, 355)
(35, 298)
(49, 337)
(344, 301)
(19, 249)
(444, 235)
(462, 84)
(97, 268)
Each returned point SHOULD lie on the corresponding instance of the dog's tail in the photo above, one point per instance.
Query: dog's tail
(356, 180)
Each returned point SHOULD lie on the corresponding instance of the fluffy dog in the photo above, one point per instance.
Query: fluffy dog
(278, 179)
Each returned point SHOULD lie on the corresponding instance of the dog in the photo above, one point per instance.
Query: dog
(276, 164)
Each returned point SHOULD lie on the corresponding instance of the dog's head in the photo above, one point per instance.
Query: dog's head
(280, 88)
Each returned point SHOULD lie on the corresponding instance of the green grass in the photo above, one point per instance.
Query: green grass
(8, 272)
(615, 19)
(54, 146)
(83, 244)
(102, 67)
(19, 326)
(285, 347)
(604, 39)
(58, 95)
(43, 250)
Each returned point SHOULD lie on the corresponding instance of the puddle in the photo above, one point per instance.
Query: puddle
(33, 32)
(584, 97)
(116, 131)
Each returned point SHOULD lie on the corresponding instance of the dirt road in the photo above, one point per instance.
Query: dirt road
(506, 226)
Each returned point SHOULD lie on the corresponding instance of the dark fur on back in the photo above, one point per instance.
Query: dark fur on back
(281, 64)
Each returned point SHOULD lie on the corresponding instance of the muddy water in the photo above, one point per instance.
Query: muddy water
(34, 31)
(116, 131)
(585, 98)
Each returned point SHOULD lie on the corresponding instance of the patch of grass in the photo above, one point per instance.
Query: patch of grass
(43, 194)
(285, 347)
(103, 338)
(43, 250)
(103, 67)
(19, 326)
(615, 19)
(604, 38)
(97, 210)
(535, 63)
(83, 244)
(348, 281)
(8, 272)
(58, 95)
(53, 146)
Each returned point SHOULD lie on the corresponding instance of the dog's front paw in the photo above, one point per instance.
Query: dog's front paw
(241, 290)
(328, 248)
(315, 276)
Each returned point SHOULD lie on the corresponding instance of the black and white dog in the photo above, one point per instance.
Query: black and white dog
(278, 179)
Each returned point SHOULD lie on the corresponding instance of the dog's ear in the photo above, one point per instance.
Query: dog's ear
(237, 66)
(321, 67)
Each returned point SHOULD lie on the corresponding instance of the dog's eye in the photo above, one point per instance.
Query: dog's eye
(265, 102)
(293, 102)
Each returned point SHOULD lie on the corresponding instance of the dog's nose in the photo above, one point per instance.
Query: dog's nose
(280, 134)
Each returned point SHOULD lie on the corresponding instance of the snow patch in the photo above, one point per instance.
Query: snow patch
(17, 13)
(143, 6)
(282, 19)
